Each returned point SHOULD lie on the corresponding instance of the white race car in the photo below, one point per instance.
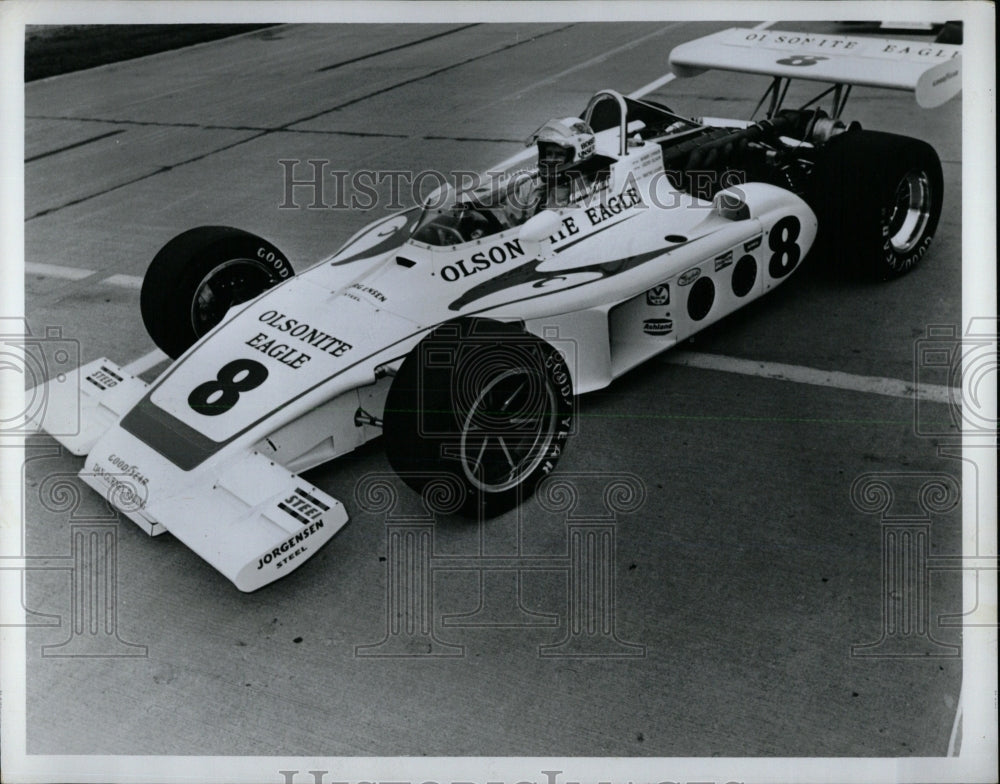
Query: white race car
(462, 330)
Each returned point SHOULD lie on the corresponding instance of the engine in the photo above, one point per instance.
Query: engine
(780, 150)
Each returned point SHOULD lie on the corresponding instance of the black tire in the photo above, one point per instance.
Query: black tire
(878, 199)
(198, 276)
(484, 402)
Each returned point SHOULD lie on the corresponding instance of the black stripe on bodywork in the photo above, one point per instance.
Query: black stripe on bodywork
(180, 443)
(111, 373)
(394, 239)
(314, 501)
(529, 273)
(301, 518)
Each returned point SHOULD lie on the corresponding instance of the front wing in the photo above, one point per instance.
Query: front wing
(249, 517)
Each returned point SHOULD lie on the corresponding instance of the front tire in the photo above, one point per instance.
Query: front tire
(484, 402)
(878, 198)
(197, 276)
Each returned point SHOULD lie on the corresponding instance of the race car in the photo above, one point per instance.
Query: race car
(462, 330)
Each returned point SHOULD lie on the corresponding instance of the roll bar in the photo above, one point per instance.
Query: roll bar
(622, 115)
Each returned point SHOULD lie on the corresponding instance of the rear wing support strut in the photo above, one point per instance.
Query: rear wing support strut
(778, 88)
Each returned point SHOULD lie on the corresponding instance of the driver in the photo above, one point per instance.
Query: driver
(561, 144)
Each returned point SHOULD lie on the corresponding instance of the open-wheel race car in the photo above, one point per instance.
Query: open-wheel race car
(462, 329)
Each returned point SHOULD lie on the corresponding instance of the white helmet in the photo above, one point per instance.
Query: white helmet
(563, 142)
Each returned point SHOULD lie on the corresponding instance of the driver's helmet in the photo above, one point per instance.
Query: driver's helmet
(562, 143)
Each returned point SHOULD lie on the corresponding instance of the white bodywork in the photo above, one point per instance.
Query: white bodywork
(932, 71)
(213, 448)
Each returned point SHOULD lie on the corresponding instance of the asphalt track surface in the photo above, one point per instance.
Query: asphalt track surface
(746, 575)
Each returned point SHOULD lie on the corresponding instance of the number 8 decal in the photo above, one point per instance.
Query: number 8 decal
(217, 397)
(782, 240)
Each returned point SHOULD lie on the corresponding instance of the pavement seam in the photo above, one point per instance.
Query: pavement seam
(429, 74)
(395, 48)
(163, 53)
(259, 129)
(73, 146)
(287, 126)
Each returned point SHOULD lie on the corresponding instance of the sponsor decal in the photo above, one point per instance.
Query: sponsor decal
(569, 228)
(104, 378)
(272, 258)
(286, 551)
(790, 40)
(945, 78)
(123, 491)
(127, 469)
(288, 354)
(795, 39)
(723, 261)
(658, 326)
(929, 52)
(303, 507)
(658, 295)
(371, 292)
(753, 244)
(689, 277)
(614, 205)
(482, 260)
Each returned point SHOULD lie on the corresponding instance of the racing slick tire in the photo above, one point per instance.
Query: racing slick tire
(878, 200)
(198, 276)
(484, 403)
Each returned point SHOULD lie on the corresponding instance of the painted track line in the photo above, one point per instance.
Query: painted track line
(77, 273)
(56, 271)
(835, 379)
(125, 281)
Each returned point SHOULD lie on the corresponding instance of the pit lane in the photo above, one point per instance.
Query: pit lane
(743, 579)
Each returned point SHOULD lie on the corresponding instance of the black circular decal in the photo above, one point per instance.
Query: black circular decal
(676, 238)
(701, 298)
(744, 276)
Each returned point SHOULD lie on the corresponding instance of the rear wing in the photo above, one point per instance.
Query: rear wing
(932, 71)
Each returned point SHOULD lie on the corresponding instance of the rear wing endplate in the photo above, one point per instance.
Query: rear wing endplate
(932, 71)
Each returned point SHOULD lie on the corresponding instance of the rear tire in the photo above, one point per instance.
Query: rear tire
(484, 402)
(198, 276)
(878, 199)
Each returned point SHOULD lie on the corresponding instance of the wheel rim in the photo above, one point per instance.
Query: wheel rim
(231, 283)
(508, 430)
(911, 211)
